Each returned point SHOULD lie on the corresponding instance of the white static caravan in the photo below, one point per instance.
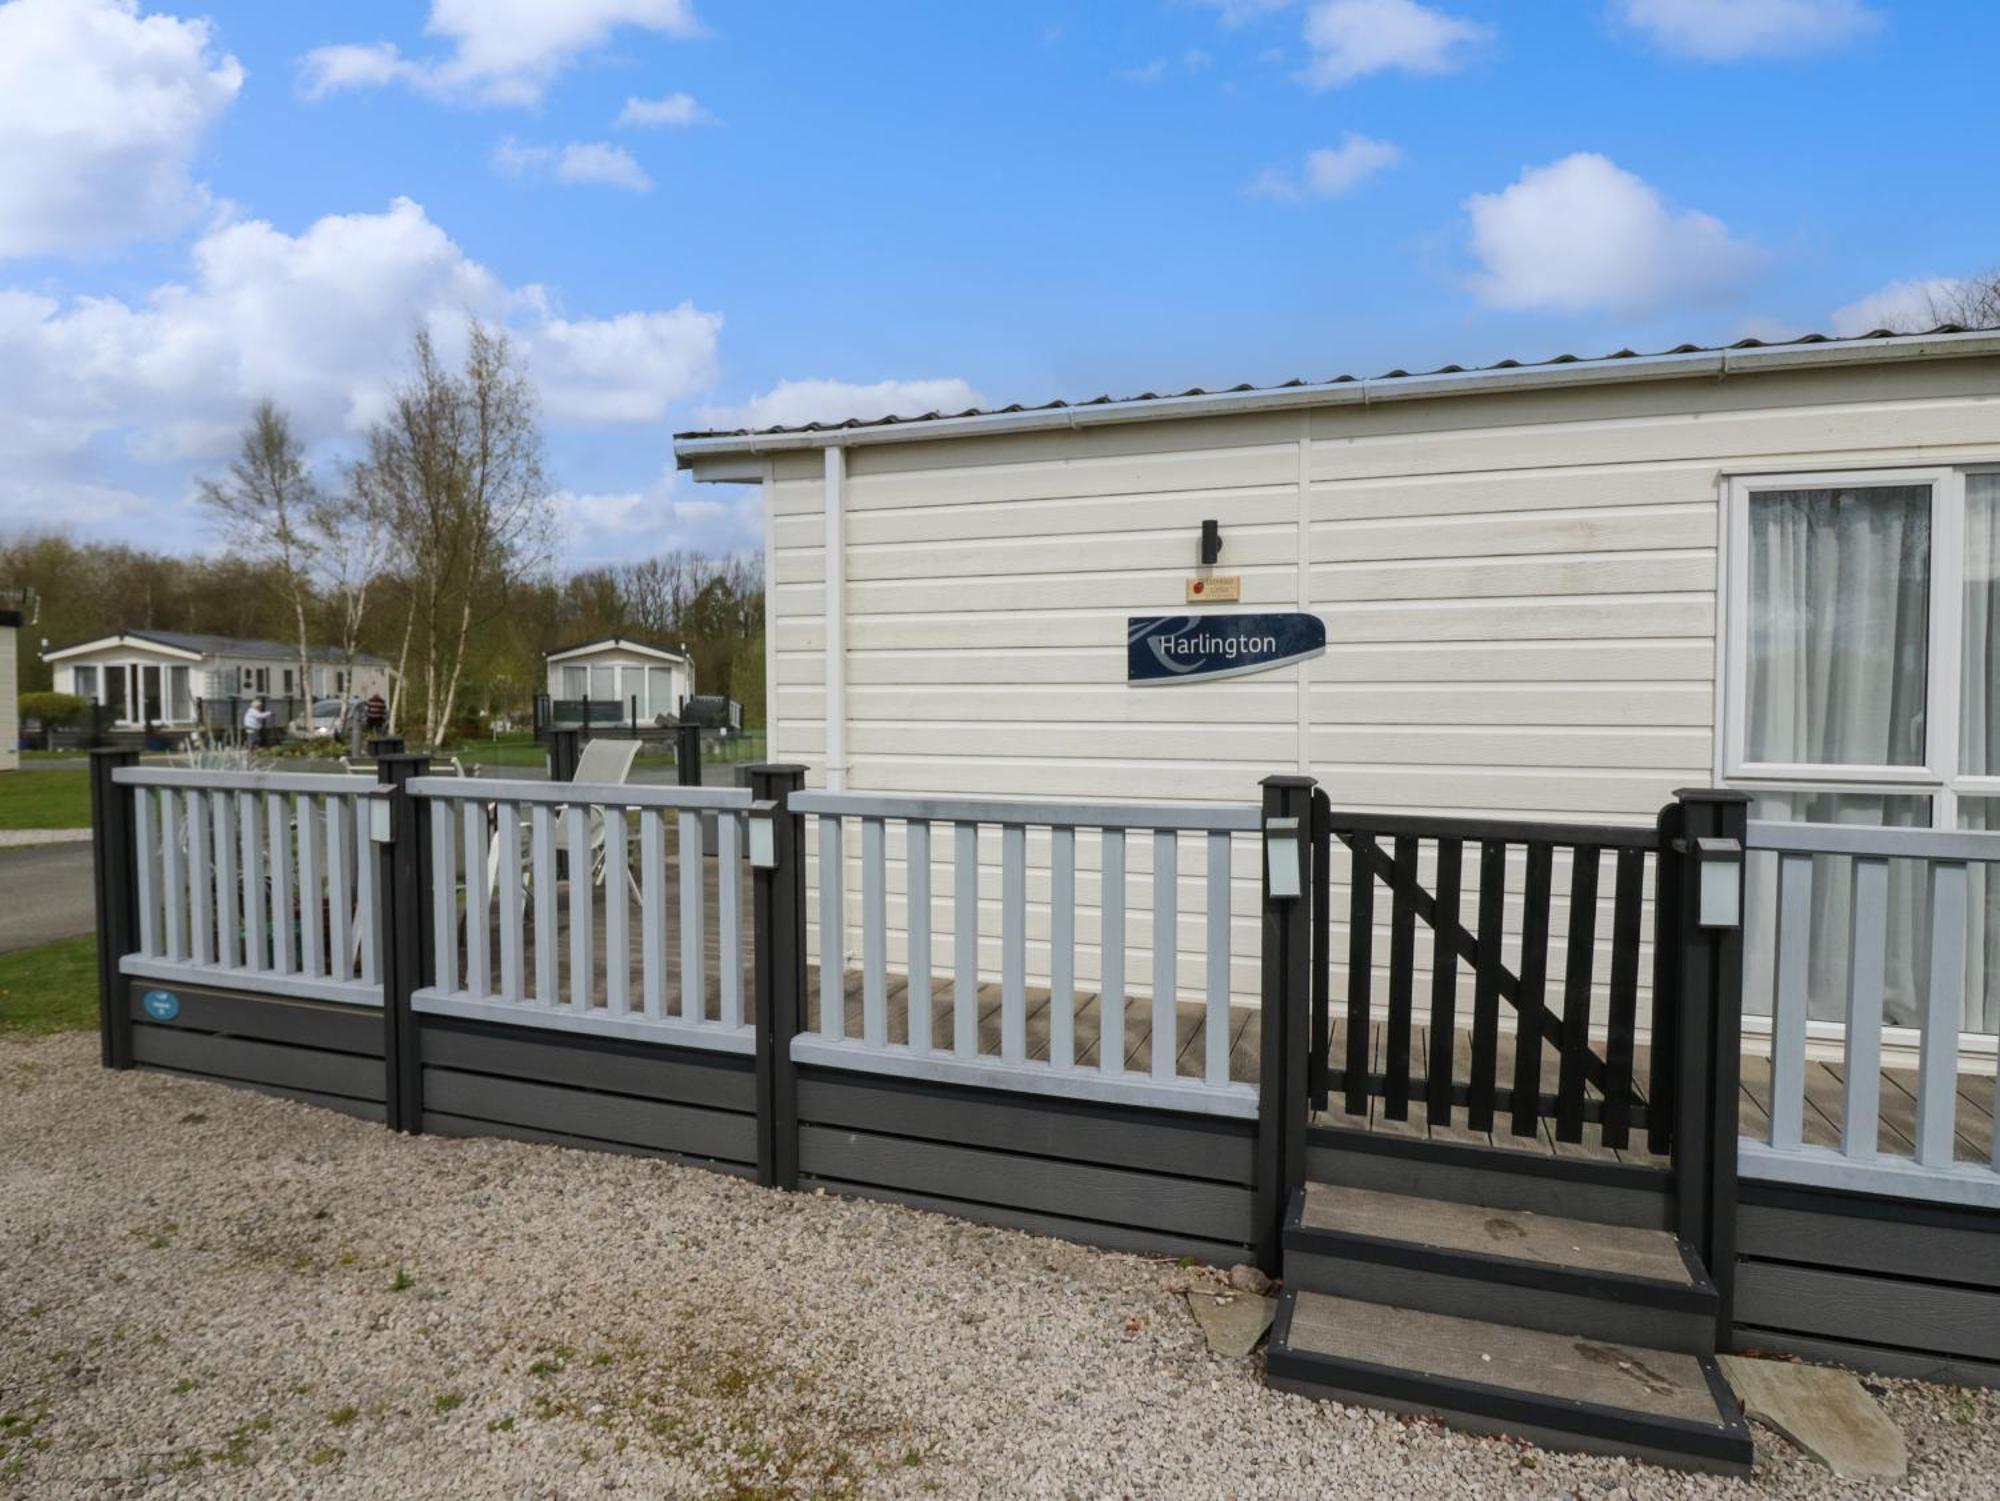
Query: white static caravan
(155, 678)
(1556, 592)
(647, 683)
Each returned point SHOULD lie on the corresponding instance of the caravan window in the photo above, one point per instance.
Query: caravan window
(1862, 644)
(84, 682)
(1838, 636)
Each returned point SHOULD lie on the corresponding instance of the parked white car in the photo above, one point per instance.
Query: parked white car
(327, 722)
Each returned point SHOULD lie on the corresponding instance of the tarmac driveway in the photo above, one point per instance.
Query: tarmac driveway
(45, 894)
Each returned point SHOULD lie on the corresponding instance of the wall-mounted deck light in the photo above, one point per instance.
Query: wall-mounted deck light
(1281, 845)
(380, 830)
(1211, 543)
(763, 835)
(1718, 866)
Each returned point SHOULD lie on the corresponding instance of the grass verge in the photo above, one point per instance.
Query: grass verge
(49, 989)
(44, 800)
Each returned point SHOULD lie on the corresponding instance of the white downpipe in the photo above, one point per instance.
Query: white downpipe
(770, 499)
(1305, 586)
(836, 621)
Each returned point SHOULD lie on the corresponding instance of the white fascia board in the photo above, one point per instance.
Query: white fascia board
(706, 456)
(129, 643)
(614, 644)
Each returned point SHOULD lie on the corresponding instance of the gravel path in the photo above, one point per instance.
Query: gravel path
(209, 1292)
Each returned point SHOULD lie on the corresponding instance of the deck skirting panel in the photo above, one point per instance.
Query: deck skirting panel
(587, 1091)
(1904, 1289)
(1137, 1180)
(315, 1051)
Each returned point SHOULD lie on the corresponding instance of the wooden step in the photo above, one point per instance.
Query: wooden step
(1560, 1391)
(1604, 1282)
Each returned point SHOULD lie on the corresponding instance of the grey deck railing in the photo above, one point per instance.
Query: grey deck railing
(1051, 1064)
(1808, 854)
(256, 880)
(511, 944)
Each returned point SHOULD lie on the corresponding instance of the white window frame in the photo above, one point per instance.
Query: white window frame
(1947, 592)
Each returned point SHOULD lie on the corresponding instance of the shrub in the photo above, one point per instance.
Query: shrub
(51, 710)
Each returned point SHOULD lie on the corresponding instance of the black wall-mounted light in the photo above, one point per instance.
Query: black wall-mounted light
(1211, 543)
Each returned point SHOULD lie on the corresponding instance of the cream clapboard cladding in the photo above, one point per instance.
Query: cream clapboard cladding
(1520, 594)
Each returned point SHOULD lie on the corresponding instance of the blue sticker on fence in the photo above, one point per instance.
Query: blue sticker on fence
(161, 1005)
(1199, 648)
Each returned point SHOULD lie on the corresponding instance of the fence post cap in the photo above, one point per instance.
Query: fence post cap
(1288, 779)
(1710, 795)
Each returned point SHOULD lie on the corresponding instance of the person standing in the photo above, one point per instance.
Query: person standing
(255, 719)
(376, 714)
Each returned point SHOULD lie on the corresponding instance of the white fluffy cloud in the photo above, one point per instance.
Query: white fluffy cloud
(625, 370)
(321, 322)
(674, 109)
(1329, 171)
(499, 51)
(592, 163)
(1584, 233)
(1905, 306)
(101, 112)
(670, 513)
(1350, 39)
(1722, 31)
(794, 403)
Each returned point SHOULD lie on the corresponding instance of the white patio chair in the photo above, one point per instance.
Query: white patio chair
(604, 763)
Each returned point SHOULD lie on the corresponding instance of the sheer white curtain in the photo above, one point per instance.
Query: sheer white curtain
(1979, 737)
(1838, 673)
(1839, 625)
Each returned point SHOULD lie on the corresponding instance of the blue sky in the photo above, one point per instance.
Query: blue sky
(693, 212)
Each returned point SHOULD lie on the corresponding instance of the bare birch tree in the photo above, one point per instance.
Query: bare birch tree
(353, 540)
(456, 468)
(265, 507)
(1973, 302)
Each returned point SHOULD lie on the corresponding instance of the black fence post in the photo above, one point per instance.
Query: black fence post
(1283, 1089)
(114, 856)
(779, 960)
(402, 911)
(1709, 1045)
(385, 745)
(687, 755)
(564, 749)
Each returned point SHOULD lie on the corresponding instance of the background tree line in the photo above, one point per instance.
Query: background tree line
(432, 549)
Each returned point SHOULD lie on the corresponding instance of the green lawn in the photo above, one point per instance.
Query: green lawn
(505, 750)
(44, 800)
(49, 989)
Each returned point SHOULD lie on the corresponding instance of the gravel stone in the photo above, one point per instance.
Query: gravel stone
(209, 1292)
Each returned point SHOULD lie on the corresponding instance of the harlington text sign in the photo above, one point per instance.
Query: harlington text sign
(1199, 648)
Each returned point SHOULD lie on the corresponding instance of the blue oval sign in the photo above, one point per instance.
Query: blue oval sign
(1201, 648)
(161, 1005)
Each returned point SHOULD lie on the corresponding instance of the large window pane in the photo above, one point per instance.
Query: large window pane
(1839, 625)
(1979, 709)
